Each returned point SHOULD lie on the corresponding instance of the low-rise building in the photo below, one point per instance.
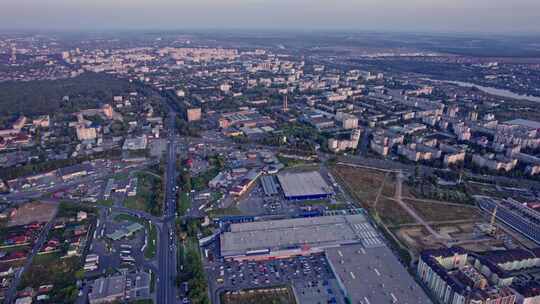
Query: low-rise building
(84, 133)
(108, 290)
(137, 143)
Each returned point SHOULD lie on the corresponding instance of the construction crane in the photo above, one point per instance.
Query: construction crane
(493, 228)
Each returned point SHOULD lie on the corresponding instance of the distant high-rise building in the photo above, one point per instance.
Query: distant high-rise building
(84, 133)
(108, 111)
(225, 87)
(193, 114)
(285, 104)
(13, 57)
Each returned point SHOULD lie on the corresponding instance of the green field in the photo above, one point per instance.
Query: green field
(149, 196)
(183, 203)
(150, 250)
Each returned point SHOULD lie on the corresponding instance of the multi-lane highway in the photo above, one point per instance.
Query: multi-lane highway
(167, 258)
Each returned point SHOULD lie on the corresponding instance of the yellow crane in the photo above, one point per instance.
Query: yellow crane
(493, 229)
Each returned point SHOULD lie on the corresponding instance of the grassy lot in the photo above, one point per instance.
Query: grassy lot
(147, 301)
(276, 295)
(289, 162)
(225, 211)
(440, 212)
(391, 213)
(183, 203)
(104, 202)
(150, 250)
(315, 202)
(149, 194)
(128, 217)
(121, 176)
(363, 184)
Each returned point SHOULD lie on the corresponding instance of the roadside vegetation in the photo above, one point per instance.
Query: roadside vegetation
(189, 256)
(274, 295)
(149, 196)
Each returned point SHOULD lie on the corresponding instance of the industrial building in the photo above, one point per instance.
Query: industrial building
(373, 275)
(136, 143)
(108, 289)
(304, 186)
(298, 236)
(125, 232)
(269, 184)
(193, 114)
(75, 171)
(119, 288)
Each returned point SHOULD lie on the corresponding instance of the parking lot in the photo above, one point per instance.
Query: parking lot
(124, 253)
(310, 276)
(259, 204)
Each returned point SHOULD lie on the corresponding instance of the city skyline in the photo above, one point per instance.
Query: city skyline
(269, 151)
(418, 15)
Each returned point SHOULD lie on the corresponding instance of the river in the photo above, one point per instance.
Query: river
(493, 91)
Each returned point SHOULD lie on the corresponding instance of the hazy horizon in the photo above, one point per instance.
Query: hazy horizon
(459, 16)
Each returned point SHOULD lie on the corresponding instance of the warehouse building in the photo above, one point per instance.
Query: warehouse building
(108, 289)
(269, 184)
(373, 275)
(304, 186)
(298, 236)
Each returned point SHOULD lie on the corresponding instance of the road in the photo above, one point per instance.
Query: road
(11, 294)
(167, 291)
(24, 196)
(167, 251)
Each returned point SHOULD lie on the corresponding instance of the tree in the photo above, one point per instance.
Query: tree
(185, 179)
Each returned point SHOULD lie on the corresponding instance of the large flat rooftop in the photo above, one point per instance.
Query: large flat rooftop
(524, 123)
(103, 288)
(314, 232)
(374, 275)
(303, 185)
(269, 184)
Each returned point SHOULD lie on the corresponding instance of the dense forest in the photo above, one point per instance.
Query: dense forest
(46, 96)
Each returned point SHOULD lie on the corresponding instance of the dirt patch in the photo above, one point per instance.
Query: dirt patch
(363, 184)
(440, 212)
(391, 213)
(417, 239)
(31, 212)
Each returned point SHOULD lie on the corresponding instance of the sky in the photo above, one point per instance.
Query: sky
(492, 16)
